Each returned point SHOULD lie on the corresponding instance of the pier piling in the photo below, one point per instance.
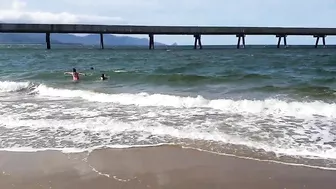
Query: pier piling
(279, 40)
(101, 41)
(151, 41)
(285, 41)
(48, 40)
(198, 41)
(324, 43)
(238, 44)
(241, 37)
(318, 39)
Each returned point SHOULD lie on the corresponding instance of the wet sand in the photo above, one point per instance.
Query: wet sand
(153, 167)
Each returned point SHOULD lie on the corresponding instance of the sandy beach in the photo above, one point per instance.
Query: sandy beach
(152, 167)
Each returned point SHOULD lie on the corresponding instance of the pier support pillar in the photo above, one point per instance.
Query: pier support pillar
(240, 37)
(48, 40)
(318, 39)
(279, 40)
(101, 41)
(151, 41)
(198, 41)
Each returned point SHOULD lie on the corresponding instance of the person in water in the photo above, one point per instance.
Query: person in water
(75, 74)
(103, 77)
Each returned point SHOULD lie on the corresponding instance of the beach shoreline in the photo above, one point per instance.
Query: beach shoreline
(152, 167)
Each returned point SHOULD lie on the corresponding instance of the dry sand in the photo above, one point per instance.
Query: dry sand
(153, 167)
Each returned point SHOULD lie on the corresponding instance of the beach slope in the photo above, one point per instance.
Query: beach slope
(152, 167)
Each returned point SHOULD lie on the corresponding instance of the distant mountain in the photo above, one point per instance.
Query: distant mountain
(92, 39)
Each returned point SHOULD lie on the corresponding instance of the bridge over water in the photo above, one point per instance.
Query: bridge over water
(151, 31)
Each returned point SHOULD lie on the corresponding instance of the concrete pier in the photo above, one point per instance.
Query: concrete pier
(48, 41)
(318, 39)
(151, 41)
(279, 40)
(240, 37)
(196, 31)
(101, 41)
(198, 42)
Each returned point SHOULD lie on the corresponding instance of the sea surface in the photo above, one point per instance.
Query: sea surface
(262, 103)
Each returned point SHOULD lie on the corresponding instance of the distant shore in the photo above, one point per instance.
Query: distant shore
(152, 167)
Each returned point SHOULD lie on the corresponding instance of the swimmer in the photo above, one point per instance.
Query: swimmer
(103, 77)
(75, 74)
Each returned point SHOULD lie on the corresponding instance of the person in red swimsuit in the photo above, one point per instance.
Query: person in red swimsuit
(75, 74)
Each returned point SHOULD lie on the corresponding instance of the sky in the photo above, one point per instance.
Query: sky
(290, 13)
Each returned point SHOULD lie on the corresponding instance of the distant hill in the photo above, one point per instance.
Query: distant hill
(109, 40)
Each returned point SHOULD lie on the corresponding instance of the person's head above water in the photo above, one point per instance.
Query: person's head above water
(73, 69)
(92, 68)
(103, 77)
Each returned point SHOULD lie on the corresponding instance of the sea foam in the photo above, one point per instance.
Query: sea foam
(10, 86)
(274, 107)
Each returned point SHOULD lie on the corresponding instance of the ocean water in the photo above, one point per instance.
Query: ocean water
(263, 103)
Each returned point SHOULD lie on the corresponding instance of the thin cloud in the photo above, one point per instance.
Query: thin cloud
(17, 14)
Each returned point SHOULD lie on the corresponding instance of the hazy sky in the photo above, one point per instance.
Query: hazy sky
(305, 13)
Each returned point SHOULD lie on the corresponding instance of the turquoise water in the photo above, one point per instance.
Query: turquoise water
(266, 103)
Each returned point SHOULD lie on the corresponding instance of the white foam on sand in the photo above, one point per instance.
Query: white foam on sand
(109, 128)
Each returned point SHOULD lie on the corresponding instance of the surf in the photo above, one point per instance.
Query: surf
(11, 86)
(269, 106)
(273, 106)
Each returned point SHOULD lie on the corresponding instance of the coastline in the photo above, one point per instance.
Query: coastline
(152, 167)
